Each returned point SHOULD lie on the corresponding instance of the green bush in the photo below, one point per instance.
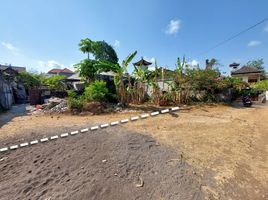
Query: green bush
(96, 91)
(54, 82)
(29, 80)
(261, 85)
(75, 103)
(72, 94)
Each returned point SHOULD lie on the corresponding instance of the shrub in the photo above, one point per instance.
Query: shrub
(96, 91)
(54, 82)
(72, 94)
(29, 80)
(261, 85)
(75, 103)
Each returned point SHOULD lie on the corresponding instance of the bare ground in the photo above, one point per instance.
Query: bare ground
(211, 152)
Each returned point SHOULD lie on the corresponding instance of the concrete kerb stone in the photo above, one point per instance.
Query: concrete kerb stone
(93, 128)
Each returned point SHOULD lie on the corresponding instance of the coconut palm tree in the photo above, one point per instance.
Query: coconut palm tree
(86, 46)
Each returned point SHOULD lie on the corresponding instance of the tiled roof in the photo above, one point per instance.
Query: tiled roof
(56, 71)
(142, 62)
(18, 69)
(247, 70)
(66, 70)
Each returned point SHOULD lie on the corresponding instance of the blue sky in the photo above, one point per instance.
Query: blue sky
(42, 34)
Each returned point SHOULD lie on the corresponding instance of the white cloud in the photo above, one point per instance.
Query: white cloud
(173, 27)
(152, 60)
(47, 65)
(266, 28)
(254, 43)
(116, 44)
(9, 46)
(193, 63)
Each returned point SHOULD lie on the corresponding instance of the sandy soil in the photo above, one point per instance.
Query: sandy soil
(211, 152)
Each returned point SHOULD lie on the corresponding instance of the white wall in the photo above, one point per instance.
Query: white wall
(245, 78)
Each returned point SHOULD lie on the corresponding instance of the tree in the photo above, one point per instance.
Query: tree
(104, 52)
(54, 82)
(86, 46)
(29, 80)
(211, 63)
(258, 63)
(119, 74)
(87, 68)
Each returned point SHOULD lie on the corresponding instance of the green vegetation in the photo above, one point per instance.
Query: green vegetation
(181, 86)
(54, 82)
(101, 52)
(262, 85)
(29, 80)
(96, 91)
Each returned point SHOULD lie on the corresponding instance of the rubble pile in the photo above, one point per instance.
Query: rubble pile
(52, 105)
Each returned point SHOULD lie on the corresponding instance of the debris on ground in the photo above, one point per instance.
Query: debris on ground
(53, 105)
(141, 183)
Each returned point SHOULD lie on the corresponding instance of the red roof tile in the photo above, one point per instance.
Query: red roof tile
(56, 71)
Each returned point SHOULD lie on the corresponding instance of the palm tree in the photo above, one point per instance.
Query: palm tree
(211, 63)
(86, 46)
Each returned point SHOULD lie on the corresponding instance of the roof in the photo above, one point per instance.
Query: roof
(65, 70)
(234, 64)
(56, 71)
(74, 77)
(142, 62)
(247, 70)
(16, 68)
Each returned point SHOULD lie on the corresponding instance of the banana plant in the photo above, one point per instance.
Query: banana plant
(119, 74)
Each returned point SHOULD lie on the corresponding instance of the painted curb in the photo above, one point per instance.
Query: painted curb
(93, 128)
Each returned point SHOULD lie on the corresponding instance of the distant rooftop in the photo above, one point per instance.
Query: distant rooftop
(234, 64)
(142, 62)
(247, 70)
(57, 71)
(16, 68)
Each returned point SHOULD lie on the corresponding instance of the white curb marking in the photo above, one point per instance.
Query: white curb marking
(94, 128)
(3, 149)
(24, 144)
(54, 137)
(114, 123)
(84, 130)
(134, 118)
(124, 120)
(64, 135)
(175, 108)
(165, 111)
(87, 129)
(34, 142)
(145, 116)
(104, 125)
(44, 140)
(74, 132)
(155, 113)
(14, 147)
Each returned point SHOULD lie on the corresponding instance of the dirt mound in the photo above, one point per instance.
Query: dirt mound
(107, 164)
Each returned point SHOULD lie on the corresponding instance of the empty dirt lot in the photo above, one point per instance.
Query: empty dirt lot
(208, 152)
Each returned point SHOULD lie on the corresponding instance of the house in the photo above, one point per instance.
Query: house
(15, 68)
(248, 74)
(65, 72)
(77, 83)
